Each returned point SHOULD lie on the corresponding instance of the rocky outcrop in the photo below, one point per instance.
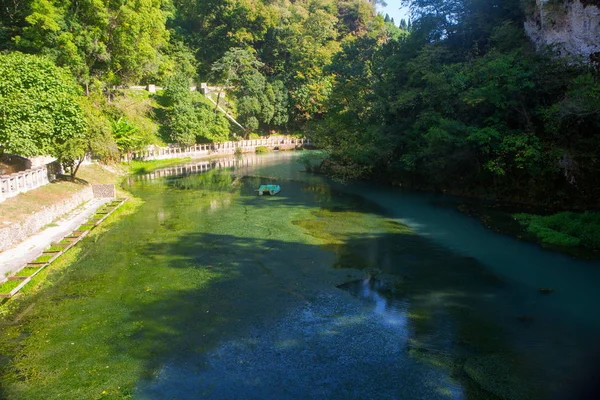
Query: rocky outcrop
(570, 27)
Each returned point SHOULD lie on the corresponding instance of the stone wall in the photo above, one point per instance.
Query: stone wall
(570, 27)
(104, 191)
(15, 233)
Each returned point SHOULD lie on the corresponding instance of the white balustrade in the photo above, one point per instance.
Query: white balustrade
(199, 150)
(23, 181)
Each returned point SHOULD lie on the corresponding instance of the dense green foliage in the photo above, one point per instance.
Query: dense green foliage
(113, 42)
(566, 229)
(39, 106)
(271, 57)
(465, 104)
(456, 99)
(189, 119)
(274, 53)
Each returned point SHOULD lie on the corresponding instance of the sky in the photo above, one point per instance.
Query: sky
(395, 10)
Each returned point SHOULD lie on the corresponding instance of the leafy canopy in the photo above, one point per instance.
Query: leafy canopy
(39, 106)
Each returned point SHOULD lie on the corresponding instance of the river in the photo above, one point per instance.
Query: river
(324, 291)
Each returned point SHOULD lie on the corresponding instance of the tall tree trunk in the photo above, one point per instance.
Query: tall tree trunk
(74, 170)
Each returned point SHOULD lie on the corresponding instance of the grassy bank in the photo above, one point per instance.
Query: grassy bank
(564, 230)
(144, 167)
(53, 273)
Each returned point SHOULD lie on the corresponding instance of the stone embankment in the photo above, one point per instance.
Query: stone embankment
(15, 233)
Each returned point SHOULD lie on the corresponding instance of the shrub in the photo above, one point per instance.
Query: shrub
(565, 228)
(262, 149)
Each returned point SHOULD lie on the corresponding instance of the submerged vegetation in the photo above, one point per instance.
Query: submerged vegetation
(126, 310)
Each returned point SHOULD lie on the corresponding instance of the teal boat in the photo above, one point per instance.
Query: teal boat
(270, 189)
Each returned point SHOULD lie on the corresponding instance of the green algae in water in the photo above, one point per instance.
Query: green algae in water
(207, 262)
(335, 224)
(215, 180)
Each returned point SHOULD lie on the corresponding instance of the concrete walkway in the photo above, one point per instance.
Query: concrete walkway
(14, 258)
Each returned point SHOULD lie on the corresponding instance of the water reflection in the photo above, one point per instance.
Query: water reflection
(392, 312)
(241, 165)
(474, 318)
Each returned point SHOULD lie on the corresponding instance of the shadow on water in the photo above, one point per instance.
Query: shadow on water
(210, 291)
(271, 324)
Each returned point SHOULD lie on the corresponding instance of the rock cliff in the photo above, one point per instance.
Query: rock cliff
(570, 27)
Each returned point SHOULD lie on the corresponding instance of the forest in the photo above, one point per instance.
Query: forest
(455, 100)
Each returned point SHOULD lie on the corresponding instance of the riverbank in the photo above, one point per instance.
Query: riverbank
(572, 232)
(576, 234)
(13, 309)
(17, 256)
(61, 216)
(28, 213)
(81, 213)
(203, 286)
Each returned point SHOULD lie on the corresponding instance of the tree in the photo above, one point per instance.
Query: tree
(40, 107)
(281, 101)
(125, 135)
(98, 139)
(116, 42)
(240, 70)
(12, 21)
(72, 155)
(96, 142)
(190, 121)
(212, 27)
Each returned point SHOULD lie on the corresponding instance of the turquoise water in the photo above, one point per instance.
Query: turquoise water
(205, 290)
(367, 309)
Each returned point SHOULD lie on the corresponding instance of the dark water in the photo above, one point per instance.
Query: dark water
(330, 291)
